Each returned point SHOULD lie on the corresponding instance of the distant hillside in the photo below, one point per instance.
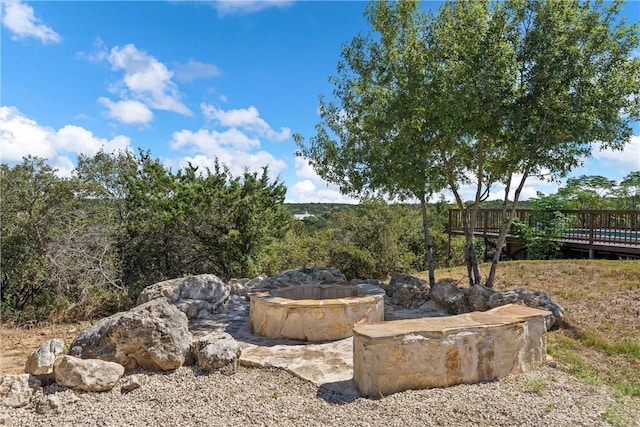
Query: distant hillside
(316, 209)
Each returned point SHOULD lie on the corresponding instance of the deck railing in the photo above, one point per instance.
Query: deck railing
(621, 227)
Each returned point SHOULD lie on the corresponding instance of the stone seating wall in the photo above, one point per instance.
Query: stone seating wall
(399, 355)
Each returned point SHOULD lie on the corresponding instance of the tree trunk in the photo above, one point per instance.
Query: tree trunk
(427, 240)
(504, 229)
(473, 270)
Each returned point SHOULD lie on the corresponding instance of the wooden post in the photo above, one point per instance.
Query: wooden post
(591, 233)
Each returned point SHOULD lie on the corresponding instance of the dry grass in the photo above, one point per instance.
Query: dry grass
(599, 337)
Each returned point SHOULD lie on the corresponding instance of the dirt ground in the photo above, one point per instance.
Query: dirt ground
(16, 344)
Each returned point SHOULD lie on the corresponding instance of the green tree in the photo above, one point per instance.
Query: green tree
(629, 189)
(56, 255)
(33, 201)
(302, 246)
(106, 177)
(485, 93)
(570, 82)
(374, 239)
(188, 222)
(588, 191)
(547, 224)
(372, 137)
(258, 218)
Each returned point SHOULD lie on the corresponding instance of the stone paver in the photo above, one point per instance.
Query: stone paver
(328, 365)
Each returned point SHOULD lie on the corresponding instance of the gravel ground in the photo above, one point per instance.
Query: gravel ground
(254, 396)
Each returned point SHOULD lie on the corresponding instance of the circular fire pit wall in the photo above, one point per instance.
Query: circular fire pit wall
(320, 312)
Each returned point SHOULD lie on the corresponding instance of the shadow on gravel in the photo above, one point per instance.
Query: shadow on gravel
(339, 392)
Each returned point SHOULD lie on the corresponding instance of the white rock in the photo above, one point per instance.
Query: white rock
(87, 374)
(40, 362)
(153, 336)
(217, 351)
(16, 390)
(192, 295)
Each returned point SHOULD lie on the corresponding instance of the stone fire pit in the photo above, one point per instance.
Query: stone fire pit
(315, 312)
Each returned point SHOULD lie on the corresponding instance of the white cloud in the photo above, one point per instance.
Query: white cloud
(21, 136)
(76, 139)
(128, 112)
(237, 162)
(210, 141)
(237, 146)
(304, 187)
(245, 118)
(146, 79)
(193, 70)
(99, 53)
(305, 170)
(232, 148)
(21, 21)
(313, 189)
(240, 7)
(307, 192)
(627, 159)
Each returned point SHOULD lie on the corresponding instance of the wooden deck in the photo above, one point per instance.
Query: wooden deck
(593, 231)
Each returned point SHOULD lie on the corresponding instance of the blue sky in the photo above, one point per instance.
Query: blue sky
(189, 81)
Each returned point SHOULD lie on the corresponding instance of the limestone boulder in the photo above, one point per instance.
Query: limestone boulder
(40, 362)
(241, 287)
(467, 300)
(16, 390)
(407, 291)
(86, 374)
(217, 351)
(537, 299)
(443, 291)
(153, 336)
(458, 304)
(478, 298)
(196, 296)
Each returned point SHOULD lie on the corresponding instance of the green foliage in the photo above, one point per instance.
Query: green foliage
(87, 246)
(37, 212)
(458, 244)
(587, 191)
(627, 193)
(481, 93)
(371, 240)
(541, 238)
(547, 224)
(300, 247)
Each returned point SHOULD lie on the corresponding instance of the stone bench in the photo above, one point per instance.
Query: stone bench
(399, 355)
